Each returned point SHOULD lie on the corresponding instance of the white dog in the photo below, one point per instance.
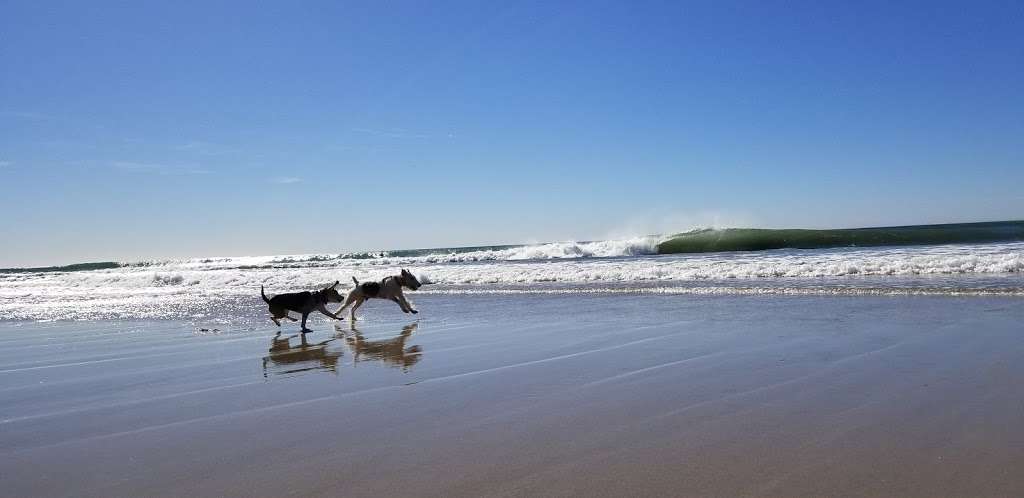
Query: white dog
(390, 288)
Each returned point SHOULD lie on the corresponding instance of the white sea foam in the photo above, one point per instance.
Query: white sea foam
(636, 246)
(159, 285)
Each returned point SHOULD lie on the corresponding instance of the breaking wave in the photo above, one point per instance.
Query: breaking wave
(637, 246)
(193, 287)
(755, 239)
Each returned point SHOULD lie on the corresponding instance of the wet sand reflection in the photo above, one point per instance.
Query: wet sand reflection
(392, 352)
(287, 359)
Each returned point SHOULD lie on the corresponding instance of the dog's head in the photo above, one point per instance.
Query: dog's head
(409, 280)
(330, 294)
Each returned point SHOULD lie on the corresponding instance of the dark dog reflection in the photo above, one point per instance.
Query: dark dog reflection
(391, 351)
(286, 358)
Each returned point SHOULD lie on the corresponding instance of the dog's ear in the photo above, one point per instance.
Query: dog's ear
(336, 282)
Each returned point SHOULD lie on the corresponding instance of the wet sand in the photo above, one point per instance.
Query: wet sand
(529, 395)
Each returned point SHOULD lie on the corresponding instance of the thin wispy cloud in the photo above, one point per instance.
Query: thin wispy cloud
(34, 116)
(397, 133)
(54, 120)
(159, 169)
(285, 180)
(339, 147)
(204, 148)
(134, 166)
(4, 164)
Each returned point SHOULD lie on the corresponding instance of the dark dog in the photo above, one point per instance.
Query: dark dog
(303, 303)
(302, 357)
(390, 288)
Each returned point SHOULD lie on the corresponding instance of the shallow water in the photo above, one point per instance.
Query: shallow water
(227, 289)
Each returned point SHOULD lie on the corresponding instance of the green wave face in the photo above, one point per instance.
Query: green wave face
(758, 239)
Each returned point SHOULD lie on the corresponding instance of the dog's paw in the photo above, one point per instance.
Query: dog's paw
(413, 311)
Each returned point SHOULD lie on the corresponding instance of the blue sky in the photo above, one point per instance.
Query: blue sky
(142, 130)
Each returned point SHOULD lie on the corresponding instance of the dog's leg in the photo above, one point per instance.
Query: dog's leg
(405, 302)
(354, 308)
(400, 304)
(351, 298)
(276, 314)
(323, 309)
(304, 317)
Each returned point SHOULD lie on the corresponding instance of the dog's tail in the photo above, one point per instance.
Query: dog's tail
(354, 280)
(264, 295)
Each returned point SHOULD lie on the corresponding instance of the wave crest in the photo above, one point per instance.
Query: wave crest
(760, 239)
(636, 246)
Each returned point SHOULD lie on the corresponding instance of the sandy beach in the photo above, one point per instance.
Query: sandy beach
(528, 395)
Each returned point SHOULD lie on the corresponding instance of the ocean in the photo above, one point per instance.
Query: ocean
(984, 259)
(873, 360)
